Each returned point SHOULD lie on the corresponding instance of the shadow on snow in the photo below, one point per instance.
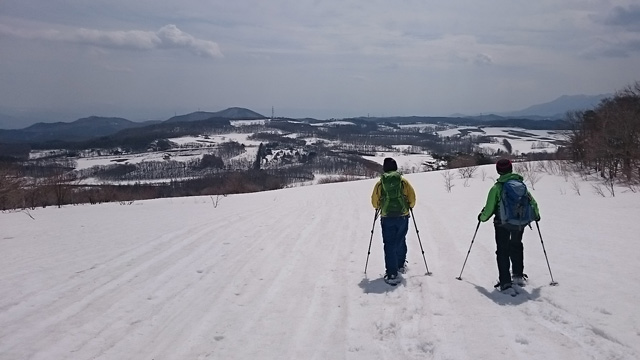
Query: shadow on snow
(504, 299)
(377, 286)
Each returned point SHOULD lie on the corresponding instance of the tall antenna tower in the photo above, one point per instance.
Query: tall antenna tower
(272, 113)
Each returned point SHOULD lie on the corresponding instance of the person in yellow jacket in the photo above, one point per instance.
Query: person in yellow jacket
(393, 197)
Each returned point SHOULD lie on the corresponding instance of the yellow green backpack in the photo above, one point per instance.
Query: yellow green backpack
(393, 202)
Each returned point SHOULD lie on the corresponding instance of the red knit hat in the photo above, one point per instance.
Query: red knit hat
(503, 166)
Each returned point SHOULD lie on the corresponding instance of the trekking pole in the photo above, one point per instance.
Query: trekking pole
(418, 234)
(465, 259)
(370, 240)
(553, 283)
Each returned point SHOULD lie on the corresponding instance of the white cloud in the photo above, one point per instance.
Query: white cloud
(168, 37)
(172, 37)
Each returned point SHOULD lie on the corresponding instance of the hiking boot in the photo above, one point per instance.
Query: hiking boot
(508, 289)
(520, 280)
(505, 287)
(402, 270)
(392, 279)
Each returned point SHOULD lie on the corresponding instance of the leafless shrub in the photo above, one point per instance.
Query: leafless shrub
(575, 185)
(598, 189)
(544, 166)
(529, 172)
(533, 178)
(216, 201)
(26, 211)
(448, 180)
(562, 191)
(483, 174)
(609, 184)
(525, 167)
(551, 167)
(467, 172)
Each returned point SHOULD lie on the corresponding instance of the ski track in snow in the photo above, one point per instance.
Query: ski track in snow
(279, 275)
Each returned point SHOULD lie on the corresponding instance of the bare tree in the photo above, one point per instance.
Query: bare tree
(605, 139)
(533, 178)
(575, 185)
(59, 183)
(598, 189)
(11, 187)
(609, 184)
(448, 180)
(215, 201)
(507, 145)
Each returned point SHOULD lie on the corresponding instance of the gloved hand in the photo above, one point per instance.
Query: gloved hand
(537, 218)
(479, 216)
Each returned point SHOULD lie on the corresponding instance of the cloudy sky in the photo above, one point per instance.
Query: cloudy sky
(326, 59)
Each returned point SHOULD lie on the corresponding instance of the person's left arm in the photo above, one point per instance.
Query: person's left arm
(534, 203)
(409, 193)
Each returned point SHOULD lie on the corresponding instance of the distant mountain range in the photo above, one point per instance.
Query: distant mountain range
(558, 108)
(96, 126)
(553, 110)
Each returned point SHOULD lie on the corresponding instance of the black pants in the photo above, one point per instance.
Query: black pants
(509, 253)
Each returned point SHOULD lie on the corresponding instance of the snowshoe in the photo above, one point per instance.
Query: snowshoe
(508, 289)
(520, 280)
(392, 280)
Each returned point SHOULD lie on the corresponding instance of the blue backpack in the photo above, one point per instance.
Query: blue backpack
(516, 210)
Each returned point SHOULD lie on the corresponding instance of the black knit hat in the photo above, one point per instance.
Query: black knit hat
(503, 166)
(389, 165)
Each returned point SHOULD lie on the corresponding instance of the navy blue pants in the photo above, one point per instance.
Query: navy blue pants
(509, 253)
(394, 233)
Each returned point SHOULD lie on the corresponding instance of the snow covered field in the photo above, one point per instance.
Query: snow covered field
(521, 140)
(279, 275)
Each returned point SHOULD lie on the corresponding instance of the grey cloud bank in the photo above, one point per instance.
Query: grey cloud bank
(326, 59)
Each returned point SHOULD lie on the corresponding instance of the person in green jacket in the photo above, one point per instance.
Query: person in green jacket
(509, 248)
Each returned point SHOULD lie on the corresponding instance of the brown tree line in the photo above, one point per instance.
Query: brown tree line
(607, 138)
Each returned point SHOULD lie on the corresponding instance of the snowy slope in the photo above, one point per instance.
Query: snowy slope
(279, 275)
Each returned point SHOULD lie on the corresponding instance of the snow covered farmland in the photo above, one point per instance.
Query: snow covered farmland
(411, 158)
(521, 140)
